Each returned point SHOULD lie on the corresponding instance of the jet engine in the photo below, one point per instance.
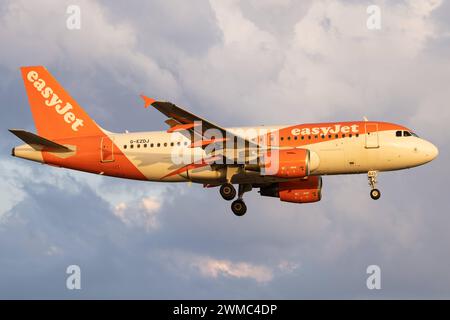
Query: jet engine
(290, 163)
(301, 191)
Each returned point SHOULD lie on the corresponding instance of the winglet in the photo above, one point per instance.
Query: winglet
(147, 101)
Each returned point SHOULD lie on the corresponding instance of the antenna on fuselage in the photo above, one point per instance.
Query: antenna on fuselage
(365, 119)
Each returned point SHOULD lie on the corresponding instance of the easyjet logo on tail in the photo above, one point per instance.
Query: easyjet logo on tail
(53, 100)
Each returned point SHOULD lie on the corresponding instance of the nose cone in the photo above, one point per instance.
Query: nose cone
(430, 151)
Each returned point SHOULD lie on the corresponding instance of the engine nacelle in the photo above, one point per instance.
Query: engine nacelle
(290, 163)
(302, 191)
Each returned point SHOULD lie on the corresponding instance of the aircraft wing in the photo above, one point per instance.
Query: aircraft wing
(182, 120)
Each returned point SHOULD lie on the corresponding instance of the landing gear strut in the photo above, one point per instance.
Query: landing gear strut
(227, 191)
(238, 206)
(375, 194)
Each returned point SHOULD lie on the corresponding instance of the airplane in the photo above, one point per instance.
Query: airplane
(285, 162)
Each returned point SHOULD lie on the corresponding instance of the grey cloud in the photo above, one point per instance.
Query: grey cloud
(244, 65)
(277, 17)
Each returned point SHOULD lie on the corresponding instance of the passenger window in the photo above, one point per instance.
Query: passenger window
(350, 135)
(171, 144)
(158, 145)
(289, 138)
(132, 146)
(343, 135)
(125, 146)
(138, 145)
(178, 143)
(336, 136)
(151, 145)
(357, 135)
(282, 138)
(398, 134)
(145, 145)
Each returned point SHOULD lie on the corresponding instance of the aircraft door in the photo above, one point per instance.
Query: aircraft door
(107, 150)
(372, 139)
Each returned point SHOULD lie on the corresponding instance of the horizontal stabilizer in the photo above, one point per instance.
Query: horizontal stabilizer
(37, 142)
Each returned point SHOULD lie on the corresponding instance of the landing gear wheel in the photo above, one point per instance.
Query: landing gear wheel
(238, 207)
(375, 194)
(227, 191)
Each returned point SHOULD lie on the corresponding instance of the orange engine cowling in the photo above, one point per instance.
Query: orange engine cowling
(302, 191)
(290, 163)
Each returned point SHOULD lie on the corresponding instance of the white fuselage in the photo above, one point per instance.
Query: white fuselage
(153, 153)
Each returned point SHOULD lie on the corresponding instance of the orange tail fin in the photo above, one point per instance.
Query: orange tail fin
(56, 114)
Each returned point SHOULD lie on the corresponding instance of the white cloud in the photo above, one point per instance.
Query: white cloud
(331, 65)
(10, 192)
(135, 207)
(288, 266)
(142, 214)
(214, 268)
(54, 250)
(111, 45)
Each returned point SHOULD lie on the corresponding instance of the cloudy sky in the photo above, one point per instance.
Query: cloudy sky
(236, 63)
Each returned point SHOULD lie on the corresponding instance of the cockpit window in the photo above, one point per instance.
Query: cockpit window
(405, 134)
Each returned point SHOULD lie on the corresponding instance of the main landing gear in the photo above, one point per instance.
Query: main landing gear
(228, 192)
(238, 207)
(375, 194)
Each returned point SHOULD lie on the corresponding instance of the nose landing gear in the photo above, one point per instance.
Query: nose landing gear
(375, 194)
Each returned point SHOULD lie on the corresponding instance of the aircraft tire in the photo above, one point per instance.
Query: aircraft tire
(238, 207)
(375, 194)
(227, 191)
